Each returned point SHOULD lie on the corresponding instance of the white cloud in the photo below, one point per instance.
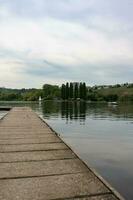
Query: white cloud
(73, 50)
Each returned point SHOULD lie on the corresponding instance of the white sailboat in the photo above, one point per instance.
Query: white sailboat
(40, 99)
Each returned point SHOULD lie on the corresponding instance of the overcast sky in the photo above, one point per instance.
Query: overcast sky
(54, 41)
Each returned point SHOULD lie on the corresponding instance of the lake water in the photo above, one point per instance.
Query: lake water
(101, 134)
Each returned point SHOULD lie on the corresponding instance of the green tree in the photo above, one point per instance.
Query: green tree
(51, 91)
(47, 90)
(67, 90)
(71, 90)
(84, 91)
(76, 91)
(81, 90)
(111, 97)
(63, 92)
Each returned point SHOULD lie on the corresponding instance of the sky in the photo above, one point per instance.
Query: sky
(54, 41)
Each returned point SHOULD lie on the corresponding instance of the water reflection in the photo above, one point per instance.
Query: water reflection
(50, 109)
(78, 111)
(68, 111)
(73, 111)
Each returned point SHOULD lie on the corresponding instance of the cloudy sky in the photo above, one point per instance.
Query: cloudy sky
(54, 41)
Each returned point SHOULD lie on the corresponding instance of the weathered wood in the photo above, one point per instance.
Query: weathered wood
(51, 167)
(35, 164)
(32, 147)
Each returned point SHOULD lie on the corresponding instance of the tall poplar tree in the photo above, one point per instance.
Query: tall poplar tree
(81, 90)
(76, 91)
(67, 90)
(84, 91)
(63, 92)
(71, 90)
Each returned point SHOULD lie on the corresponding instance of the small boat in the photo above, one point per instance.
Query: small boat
(113, 103)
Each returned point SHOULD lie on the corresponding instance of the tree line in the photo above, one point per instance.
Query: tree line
(71, 91)
(8, 94)
(74, 91)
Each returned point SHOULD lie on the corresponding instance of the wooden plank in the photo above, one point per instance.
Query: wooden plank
(100, 197)
(52, 187)
(31, 141)
(31, 169)
(36, 155)
(25, 136)
(32, 147)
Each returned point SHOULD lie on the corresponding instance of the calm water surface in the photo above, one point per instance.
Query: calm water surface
(101, 134)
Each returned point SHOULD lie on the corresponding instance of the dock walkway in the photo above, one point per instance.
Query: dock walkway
(35, 164)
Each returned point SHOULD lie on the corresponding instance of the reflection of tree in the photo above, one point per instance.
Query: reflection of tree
(82, 110)
(63, 112)
(73, 110)
(103, 110)
(66, 110)
(78, 110)
(50, 108)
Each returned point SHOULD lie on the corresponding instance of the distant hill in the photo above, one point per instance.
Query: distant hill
(8, 94)
(117, 92)
(106, 93)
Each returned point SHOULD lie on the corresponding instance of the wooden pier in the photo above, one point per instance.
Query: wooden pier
(35, 164)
